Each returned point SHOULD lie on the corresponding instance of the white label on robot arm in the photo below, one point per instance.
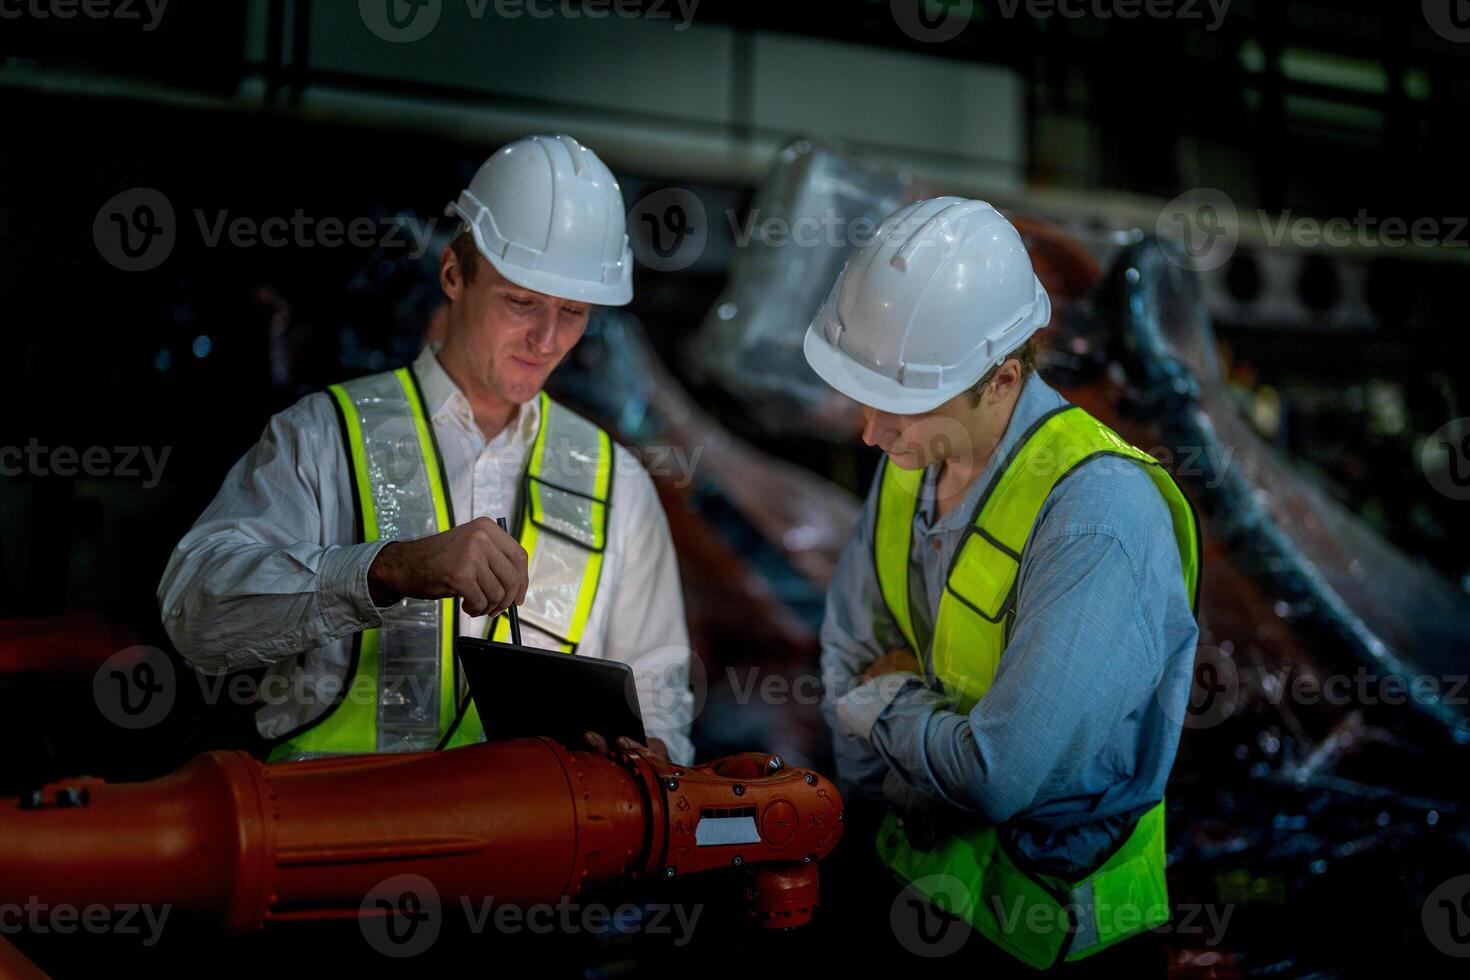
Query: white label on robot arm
(711, 831)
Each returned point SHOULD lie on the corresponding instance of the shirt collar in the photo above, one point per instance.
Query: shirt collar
(1036, 399)
(444, 400)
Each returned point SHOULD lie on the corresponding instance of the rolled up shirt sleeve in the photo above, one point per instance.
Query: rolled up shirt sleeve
(646, 628)
(256, 580)
(1080, 658)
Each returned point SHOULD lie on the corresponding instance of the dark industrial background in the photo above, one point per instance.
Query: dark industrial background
(1344, 360)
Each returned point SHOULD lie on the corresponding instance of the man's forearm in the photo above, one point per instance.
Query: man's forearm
(230, 604)
(934, 750)
(932, 747)
(385, 577)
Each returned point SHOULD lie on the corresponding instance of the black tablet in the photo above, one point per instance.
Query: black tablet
(521, 691)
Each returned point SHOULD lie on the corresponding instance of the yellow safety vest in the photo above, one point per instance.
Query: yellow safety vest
(399, 691)
(1039, 919)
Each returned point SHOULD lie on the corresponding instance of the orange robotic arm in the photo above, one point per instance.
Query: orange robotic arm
(243, 843)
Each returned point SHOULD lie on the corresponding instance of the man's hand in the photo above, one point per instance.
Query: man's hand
(859, 708)
(477, 562)
(597, 743)
(897, 661)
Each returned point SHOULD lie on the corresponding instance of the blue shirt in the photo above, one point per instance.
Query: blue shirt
(1076, 736)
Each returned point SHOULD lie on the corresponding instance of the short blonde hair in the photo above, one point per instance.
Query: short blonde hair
(1026, 354)
(468, 254)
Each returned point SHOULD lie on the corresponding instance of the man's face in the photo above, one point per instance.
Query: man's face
(912, 442)
(510, 337)
(959, 427)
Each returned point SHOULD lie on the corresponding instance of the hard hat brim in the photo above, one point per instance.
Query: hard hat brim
(614, 294)
(866, 386)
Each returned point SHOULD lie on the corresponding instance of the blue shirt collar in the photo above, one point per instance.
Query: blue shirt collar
(1037, 399)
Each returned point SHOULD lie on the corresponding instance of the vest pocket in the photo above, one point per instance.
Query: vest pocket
(983, 574)
(572, 515)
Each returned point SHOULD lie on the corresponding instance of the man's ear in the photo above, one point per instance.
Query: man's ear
(451, 276)
(1007, 376)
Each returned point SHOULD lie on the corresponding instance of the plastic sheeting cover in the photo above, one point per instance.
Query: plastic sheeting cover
(1395, 613)
(816, 207)
(616, 375)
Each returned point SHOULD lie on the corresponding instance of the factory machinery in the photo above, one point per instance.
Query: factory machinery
(230, 840)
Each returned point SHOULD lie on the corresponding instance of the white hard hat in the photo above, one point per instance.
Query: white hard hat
(548, 214)
(942, 292)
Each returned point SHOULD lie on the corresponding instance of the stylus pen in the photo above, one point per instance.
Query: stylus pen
(515, 619)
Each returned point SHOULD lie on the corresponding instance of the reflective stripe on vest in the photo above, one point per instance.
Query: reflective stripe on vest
(400, 686)
(392, 699)
(1039, 919)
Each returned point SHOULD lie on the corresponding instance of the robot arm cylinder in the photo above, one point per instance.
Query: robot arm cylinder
(242, 843)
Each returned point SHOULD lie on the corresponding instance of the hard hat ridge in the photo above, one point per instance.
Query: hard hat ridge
(548, 214)
(942, 291)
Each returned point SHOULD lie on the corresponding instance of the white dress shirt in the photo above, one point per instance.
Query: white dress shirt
(271, 572)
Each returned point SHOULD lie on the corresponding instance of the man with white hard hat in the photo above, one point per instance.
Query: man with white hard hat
(339, 548)
(1010, 634)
